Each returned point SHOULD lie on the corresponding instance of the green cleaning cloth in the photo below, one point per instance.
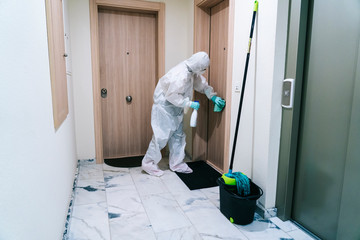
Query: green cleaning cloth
(219, 103)
(218, 108)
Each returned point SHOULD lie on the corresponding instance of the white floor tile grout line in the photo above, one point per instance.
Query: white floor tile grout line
(106, 198)
(182, 210)
(141, 200)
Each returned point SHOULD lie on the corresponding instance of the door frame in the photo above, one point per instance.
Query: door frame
(202, 43)
(294, 68)
(156, 8)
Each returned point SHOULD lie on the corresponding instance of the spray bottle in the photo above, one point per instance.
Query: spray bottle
(193, 117)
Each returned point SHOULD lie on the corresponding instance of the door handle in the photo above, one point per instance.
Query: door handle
(103, 92)
(288, 93)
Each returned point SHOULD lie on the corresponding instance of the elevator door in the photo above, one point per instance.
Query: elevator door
(329, 116)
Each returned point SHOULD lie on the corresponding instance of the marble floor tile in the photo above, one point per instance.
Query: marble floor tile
(286, 226)
(209, 237)
(91, 171)
(116, 179)
(147, 184)
(191, 198)
(87, 161)
(89, 222)
(300, 235)
(210, 222)
(109, 168)
(132, 226)
(127, 203)
(213, 195)
(123, 200)
(261, 229)
(137, 171)
(89, 191)
(164, 212)
(173, 183)
(187, 233)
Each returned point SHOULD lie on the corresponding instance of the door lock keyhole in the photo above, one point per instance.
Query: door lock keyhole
(103, 92)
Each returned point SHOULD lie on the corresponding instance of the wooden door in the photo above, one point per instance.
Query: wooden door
(127, 44)
(55, 27)
(217, 79)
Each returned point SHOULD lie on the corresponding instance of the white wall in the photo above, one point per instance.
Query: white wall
(79, 19)
(179, 37)
(259, 133)
(178, 46)
(179, 28)
(37, 163)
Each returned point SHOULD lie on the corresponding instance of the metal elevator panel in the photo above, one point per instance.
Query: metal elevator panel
(330, 75)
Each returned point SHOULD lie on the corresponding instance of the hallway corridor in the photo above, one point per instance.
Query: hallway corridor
(125, 203)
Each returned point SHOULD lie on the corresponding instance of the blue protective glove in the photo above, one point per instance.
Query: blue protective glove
(195, 105)
(219, 103)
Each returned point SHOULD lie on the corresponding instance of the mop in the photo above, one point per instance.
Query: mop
(239, 179)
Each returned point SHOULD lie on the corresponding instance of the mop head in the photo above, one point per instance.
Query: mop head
(242, 182)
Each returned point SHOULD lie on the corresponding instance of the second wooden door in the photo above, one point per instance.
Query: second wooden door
(217, 79)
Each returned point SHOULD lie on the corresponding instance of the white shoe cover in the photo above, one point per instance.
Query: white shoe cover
(181, 168)
(152, 169)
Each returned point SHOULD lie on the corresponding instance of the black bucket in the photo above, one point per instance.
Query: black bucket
(239, 210)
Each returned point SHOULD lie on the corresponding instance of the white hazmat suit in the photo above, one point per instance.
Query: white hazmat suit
(173, 94)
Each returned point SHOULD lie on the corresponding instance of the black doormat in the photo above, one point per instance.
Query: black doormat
(203, 176)
(126, 162)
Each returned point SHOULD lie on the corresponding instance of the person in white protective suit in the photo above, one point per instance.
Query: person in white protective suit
(173, 96)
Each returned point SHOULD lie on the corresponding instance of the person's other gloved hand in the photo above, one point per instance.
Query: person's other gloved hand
(195, 105)
(219, 103)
